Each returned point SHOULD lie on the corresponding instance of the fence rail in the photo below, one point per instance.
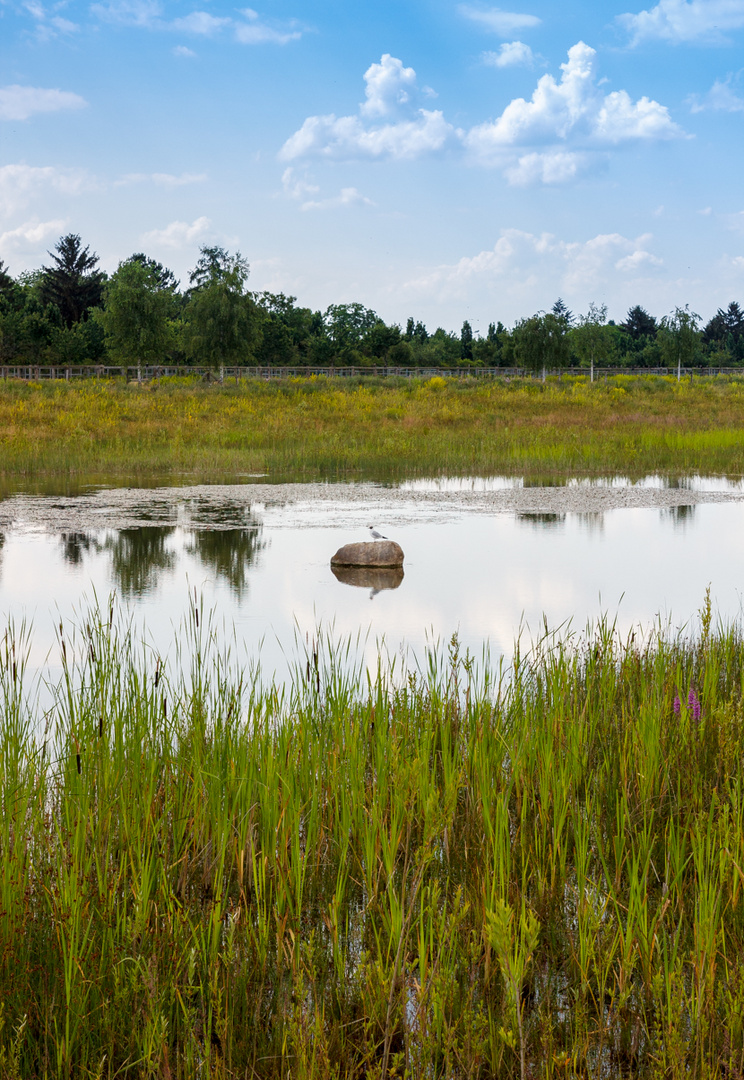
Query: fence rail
(145, 373)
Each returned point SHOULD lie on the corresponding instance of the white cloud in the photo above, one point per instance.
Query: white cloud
(20, 102)
(389, 85)
(32, 234)
(531, 269)
(21, 184)
(200, 23)
(142, 13)
(696, 21)
(498, 21)
(553, 167)
(180, 234)
(567, 118)
(720, 98)
(166, 180)
(254, 32)
(297, 187)
(511, 54)
(390, 92)
(251, 29)
(183, 50)
(348, 196)
(49, 26)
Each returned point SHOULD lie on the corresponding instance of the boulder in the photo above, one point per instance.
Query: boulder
(376, 578)
(377, 553)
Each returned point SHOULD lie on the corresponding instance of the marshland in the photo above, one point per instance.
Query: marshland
(445, 862)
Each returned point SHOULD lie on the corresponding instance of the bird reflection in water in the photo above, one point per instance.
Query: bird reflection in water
(374, 578)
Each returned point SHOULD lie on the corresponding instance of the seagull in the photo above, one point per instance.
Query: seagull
(375, 534)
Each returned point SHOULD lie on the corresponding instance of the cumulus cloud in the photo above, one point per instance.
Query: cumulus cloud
(567, 118)
(676, 21)
(32, 234)
(183, 50)
(527, 265)
(721, 97)
(390, 94)
(498, 21)
(20, 102)
(20, 184)
(348, 196)
(180, 234)
(511, 54)
(565, 129)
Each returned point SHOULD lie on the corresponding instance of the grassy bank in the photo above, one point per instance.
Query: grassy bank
(541, 876)
(57, 434)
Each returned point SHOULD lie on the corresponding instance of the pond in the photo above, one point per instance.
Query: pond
(485, 558)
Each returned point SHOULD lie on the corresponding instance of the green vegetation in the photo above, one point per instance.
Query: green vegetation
(71, 313)
(444, 873)
(54, 435)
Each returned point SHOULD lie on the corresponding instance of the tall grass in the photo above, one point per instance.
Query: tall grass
(58, 434)
(537, 872)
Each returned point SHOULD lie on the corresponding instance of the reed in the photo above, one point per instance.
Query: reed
(449, 871)
(58, 434)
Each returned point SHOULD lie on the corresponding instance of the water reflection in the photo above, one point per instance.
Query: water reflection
(138, 557)
(75, 545)
(375, 578)
(537, 520)
(679, 515)
(229, 553)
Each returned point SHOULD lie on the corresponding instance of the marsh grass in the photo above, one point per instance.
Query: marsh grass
(533, 872)
(60, 434)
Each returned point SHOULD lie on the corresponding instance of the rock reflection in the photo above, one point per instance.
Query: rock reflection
(138, 556)
(75, 545)
(374, 578)
(228, 552)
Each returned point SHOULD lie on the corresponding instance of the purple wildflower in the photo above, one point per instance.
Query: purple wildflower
(693, 703)
(677, 705)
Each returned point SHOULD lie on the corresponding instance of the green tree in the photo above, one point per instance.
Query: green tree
(680, 338)
(221, 321)
(466, 341)
(73, 283)
(541, 342)
(138, 313)
(346, 326)
(592, 340)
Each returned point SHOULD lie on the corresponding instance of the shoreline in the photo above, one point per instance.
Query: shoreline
(302, 504)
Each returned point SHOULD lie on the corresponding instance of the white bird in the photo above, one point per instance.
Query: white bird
(375, 534)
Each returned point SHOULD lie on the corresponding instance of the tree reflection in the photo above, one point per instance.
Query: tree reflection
(228, 553)
(138, 556)
(75, 545)
(680, 515)
(546, 521)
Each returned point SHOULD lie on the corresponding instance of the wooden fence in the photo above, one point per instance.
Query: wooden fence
(41, 373)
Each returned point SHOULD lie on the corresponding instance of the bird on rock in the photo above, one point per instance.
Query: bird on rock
(375, 534)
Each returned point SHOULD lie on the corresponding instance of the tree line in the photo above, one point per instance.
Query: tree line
(71, 312)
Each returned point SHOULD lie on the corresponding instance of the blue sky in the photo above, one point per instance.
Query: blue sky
(441, 159)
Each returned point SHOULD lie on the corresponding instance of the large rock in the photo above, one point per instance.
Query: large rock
(375, 578)
(377, 553)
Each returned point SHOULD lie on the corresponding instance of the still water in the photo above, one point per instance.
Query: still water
(483, 559)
